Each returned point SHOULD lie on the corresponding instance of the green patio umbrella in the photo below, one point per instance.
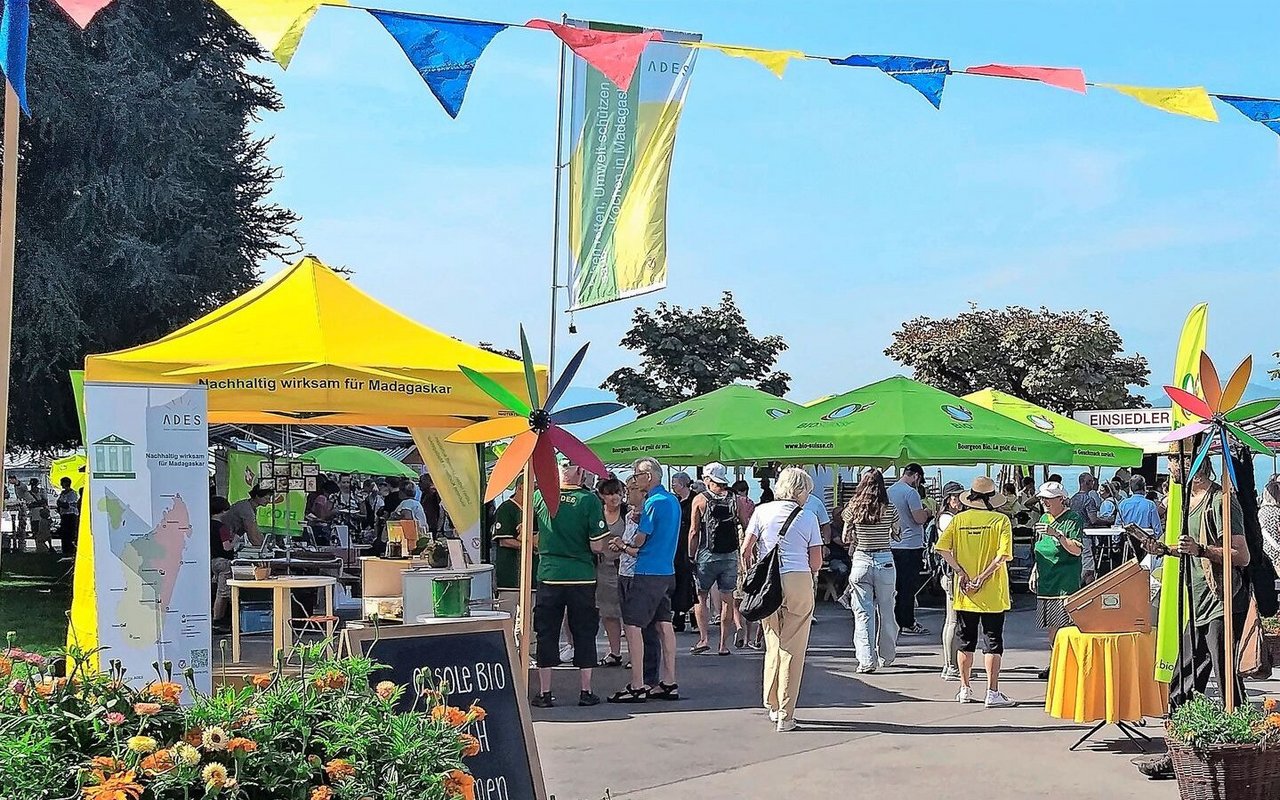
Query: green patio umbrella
(360, 460)
(896, 420)
(1090, 447)
(690, 432)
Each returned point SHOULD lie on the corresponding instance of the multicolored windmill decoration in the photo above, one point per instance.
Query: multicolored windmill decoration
(536, 429)
(1219, 412)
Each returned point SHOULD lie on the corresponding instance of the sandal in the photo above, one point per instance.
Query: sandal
(665, 691)
(611, 660)
(740, 640)
(699, 649)
(630, 695)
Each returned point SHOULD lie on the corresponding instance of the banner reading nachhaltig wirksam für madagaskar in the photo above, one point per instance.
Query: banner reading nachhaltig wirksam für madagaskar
(622, 145)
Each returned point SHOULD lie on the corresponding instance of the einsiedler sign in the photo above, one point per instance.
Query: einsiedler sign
(1125, 418)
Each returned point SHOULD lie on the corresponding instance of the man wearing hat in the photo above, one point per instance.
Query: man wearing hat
(714, 534)
(977, 545)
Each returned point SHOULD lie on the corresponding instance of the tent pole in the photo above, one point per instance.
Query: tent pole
(523, 617)
(8, 246)
(555, 222)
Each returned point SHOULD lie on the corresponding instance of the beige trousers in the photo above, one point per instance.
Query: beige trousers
(786, 637)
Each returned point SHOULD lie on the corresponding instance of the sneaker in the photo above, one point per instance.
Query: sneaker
(950, 675)
(1043, 674)
(997, 699)
(868, 670)
(543, 700)
(965, 695)
(915, 630)
(588, 699)
(886, 662)
(1157, 767)
(773, 715)
(786, 725)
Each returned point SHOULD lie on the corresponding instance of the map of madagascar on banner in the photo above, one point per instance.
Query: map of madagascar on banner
(622, 145)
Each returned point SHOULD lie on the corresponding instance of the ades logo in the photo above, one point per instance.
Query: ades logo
(846, 411)
(679, 416)
(777, 413)
(958, 413)
(1040, 421)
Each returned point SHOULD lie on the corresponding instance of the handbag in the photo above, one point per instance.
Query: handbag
(762, 587)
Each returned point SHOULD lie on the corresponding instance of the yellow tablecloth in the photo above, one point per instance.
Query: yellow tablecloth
(1104, 676)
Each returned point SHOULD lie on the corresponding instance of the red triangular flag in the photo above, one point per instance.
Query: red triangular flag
(83, 11)
(1062, 77)
(614, 54)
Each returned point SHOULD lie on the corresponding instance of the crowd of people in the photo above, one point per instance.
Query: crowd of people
(29, 505)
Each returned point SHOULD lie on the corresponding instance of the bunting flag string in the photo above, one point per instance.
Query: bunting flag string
(278, 26)
(1258, 109)
(15, 26)
(82, 12)
(1191, 101)
(1070, 78)
(775, 61)
(928, 76)
(443, 50)
(615, 55)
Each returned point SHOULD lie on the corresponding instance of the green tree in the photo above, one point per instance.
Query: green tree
(1060, 360)
(685, 353)
(142, 192)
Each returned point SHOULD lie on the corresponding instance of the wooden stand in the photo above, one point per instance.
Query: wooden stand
(526, 575)
(1228, 589)
(8, 246)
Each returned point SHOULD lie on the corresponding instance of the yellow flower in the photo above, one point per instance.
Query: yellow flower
(214, 775)
(386, 690)
(186, 754)
(146, 709)
(214, 739)
(339, 768)
(142, 744)
(117, 787)
(241, 745)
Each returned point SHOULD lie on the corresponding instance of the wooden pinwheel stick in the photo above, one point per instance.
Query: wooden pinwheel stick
(526, 573)
(1228, 588)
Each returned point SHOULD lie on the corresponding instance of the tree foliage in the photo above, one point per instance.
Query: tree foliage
(685, 353)
(142, 192)
(1060, 360)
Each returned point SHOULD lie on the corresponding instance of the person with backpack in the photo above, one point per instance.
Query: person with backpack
(714, 528)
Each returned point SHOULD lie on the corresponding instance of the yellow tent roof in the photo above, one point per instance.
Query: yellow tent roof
(308, 346)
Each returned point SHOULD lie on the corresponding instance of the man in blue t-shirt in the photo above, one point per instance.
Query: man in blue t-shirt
(646, 596)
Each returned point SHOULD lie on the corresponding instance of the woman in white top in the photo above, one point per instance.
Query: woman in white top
(1269, 519)
(786, 632)
(951, 506)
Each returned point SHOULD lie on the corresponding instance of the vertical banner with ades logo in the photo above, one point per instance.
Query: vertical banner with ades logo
(148, 498)
(622, 143)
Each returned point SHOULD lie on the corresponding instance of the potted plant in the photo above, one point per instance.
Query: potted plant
(1226, 756)
(325, 734)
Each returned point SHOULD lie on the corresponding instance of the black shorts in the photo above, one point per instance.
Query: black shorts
(967, 623)
(645, 599)
(555, 600)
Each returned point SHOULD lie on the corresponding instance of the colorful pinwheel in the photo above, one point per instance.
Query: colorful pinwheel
(536, 429)
(1219, 411)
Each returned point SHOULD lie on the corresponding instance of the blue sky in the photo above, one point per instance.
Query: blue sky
(836, 203)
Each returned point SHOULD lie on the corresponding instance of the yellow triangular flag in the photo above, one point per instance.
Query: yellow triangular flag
(276, 24)
(773, 60)
(1192, 101)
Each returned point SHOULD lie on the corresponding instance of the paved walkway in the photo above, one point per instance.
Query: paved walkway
(895, 735)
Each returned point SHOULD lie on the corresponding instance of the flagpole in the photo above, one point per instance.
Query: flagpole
(555, 222)
(8, 246)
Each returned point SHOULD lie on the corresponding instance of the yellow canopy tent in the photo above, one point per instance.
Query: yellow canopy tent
(304, 347)
(308, 346)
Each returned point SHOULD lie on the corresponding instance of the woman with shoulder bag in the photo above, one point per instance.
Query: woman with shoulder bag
(951, 506)
(786, 527)
(870, 528)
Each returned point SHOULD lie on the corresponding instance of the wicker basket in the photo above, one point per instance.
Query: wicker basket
(1226, 772)
(1271, 647)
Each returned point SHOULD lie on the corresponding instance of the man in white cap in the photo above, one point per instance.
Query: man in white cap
(978, 545)
(714, 535)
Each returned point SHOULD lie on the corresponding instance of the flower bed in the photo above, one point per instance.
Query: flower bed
(323, 735)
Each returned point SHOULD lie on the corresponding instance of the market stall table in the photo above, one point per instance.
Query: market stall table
(281, 590)
(1108, 678)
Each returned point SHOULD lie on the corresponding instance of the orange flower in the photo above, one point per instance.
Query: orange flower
(475, 713)
(241, 745)
(322, 793)
(117, 787)
(6, 668)
(339, 768)
(1273, 720)
(107, 764)
(262, 680)
(452, 715)
(459, 784)
(1270, 704)
(158, 762)
(46, 688)
(146, 709)
(470, 746)
(194, 737)
(164, 691)
(333, 679)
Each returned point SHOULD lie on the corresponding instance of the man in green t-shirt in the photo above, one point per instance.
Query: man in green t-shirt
(506, 539)
(1059, 552)
(567, 546)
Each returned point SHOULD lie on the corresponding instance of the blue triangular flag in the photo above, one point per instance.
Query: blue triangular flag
(443, 50)
(928, 76)
(1258, 109)
(14, 27)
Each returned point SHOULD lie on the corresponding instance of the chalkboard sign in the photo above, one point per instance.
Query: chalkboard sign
(475, 657)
